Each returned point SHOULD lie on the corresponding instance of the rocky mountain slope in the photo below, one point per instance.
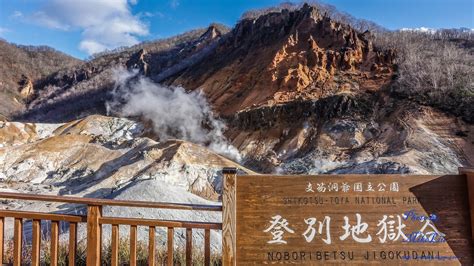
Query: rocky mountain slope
(352, 134)
(79, 91)
(108, 157)
(99, 155)
(306, 94)
(20, 68)
(287, 56)
(300, 92)
(275, 58)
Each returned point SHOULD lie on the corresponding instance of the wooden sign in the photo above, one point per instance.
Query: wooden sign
(353, 219)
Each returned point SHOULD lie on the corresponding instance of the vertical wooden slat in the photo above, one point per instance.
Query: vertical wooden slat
(17, 241)
(72, 243)
(100, 241)
(133, 245)
(54, 242)
(93, 235)
(115, 244)
(36, 243)
(189, 246)
(207, 247)
(2, 222)
(170, 246)
(151, 246)
(229, 249)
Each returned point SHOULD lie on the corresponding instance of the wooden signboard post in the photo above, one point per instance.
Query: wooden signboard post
(353, 219)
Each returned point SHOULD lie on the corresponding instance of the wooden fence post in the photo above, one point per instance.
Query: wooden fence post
(229, 248)
(170, 243)
(2, 228)
(72, 243)
(17, 241)
(94, 233)
(469, 172)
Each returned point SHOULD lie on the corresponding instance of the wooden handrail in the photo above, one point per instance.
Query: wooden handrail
(466, 170)
(109, 202)
(159, 223)
(43, 216)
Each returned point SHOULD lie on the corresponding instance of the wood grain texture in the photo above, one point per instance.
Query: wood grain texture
(207, 247)
(133, 245)
(108, 202)
(2, 230)
(151, 245)
(17, 241)
(72, 243)
(229, 202)
(101, 237)
(54, 253)
(159, 223)
(470, 185)
(93, 235)
(35, 243)
(469, 172)
(189, 246)
(115, 244)
(259, 198)
(42, 216)
(170, 242)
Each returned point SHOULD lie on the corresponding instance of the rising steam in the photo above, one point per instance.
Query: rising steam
(173, 112)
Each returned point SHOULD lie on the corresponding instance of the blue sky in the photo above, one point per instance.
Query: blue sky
(82, 27)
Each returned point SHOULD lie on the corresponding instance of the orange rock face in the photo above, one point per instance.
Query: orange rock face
(285, 56)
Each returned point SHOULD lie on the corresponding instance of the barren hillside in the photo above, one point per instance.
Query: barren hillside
(20, 68)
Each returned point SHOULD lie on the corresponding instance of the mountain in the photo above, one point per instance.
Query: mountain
(100, 155)
(297, 54)
(108, 157)
(78, 91)
(299, 90)
(303, 93)
(286, 56)
(21, 67)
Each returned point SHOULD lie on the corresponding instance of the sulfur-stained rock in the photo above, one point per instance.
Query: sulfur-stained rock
(280, 57)
(26, 88)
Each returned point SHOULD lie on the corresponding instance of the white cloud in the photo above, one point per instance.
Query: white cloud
(44, 19)
(174, 3)
(17, 14)
(91, 46)
(160, 15)
(3, 31)
(105, 24)
(421, 29)
(145, 15)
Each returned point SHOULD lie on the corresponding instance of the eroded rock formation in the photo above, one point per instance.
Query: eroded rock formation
(281, 57)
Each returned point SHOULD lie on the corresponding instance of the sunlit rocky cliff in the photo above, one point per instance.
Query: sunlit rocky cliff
(299, 92)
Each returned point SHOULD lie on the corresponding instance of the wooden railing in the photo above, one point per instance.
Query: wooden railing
(95, 220)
